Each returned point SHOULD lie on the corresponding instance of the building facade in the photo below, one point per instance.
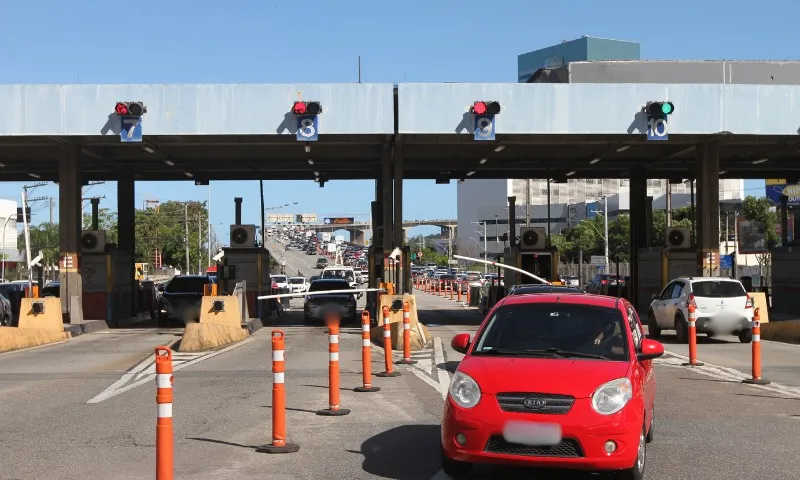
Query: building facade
(578, 50)
(8, 230)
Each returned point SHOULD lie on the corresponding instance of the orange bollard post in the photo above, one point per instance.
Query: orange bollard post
(756, 345)
(452, 290)
(692, 307)
(279, 444)
(459, 292)
(334, 409)
(165, 450)
(469, 294)
(366, 355)
(387, 347)
(407, 336)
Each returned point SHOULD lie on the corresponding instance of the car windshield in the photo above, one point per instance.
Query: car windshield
(472, 278)
(717, 289)
(557, 330)
(297, 280)
(526, 289)
(327, 285)
(279, 278)
(186, 285)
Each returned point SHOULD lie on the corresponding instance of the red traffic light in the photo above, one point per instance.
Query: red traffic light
(482, 107)
(130, 108)
(306, 108)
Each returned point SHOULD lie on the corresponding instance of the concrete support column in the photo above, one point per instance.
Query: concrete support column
(399, 233)
(638, 232)
(70, 219)
(387, 201)
(356, 236)
(707, 206)
(126, 213)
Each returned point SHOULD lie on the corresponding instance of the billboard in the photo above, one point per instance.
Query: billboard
(280, 218)
(775, 187)
(339, 220)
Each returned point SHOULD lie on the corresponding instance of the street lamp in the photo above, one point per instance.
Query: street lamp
(485, 251)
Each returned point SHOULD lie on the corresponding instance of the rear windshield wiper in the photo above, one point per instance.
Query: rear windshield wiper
(568, 353)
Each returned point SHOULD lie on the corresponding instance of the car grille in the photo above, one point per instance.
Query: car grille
(567, 448)
(544, 403)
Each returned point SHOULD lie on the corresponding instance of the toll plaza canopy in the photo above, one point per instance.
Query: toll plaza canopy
(75, 133)
(543, 130)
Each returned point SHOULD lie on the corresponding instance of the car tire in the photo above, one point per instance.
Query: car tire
(745, 336)
(6, 320)
(651, 430)
(453, 468)
(652, 327)
(636, 472)
(681, 329)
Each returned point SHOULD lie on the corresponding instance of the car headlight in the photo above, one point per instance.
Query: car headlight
(464, 390)
(612, 396)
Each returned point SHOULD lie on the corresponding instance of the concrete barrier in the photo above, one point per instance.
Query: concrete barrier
(785, 331)
(419, 332)
(215, 328)
(35, 327)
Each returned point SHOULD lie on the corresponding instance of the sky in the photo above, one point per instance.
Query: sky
(249, 41)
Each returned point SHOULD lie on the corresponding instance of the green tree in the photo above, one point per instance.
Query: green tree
(619, 234)
(165, 229)
(681, 217)
(45, 238)
(760, 213)
(564, 246)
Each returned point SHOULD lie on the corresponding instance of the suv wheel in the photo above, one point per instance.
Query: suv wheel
(745, 336)
(681, 330)
(652, 327)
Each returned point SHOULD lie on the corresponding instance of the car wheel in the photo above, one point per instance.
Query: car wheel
(681, 330)
(745, 336)
(651, 430)
(453, 468)
(636, 472)
(652, 327)
(6, 320)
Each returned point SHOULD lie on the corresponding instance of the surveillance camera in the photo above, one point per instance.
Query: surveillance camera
(218, 256)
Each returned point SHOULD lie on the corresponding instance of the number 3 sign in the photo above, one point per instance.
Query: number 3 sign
(307, 128)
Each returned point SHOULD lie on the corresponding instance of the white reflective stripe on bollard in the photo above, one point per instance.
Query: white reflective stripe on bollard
(277, 377)
(163, 380)
(164, 410)
(387, 333)
(333, 338)
(756, 338)
(365, 328)
(334, 356)
(277, 356)
(406, 326)
(365, 342)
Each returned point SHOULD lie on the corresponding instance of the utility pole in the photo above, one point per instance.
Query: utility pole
(208, 215)
(605, 229)
(449, 245)
(52, 208)
(669, 204)
(186, 237)
(200, 244)
(527, 203)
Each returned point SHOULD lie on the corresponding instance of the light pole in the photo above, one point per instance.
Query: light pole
(605, 229)
(496, 236)
(485, 251)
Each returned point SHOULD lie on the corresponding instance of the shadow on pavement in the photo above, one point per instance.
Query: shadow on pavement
(449, 366)
(222, 442)
(408, 452)
(709, 380)
(293, 409)
(702, 339)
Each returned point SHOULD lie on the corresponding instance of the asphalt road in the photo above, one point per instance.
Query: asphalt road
(86, 409)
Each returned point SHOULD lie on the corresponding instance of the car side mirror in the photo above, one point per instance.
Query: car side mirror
(650, 349)
(460, 343)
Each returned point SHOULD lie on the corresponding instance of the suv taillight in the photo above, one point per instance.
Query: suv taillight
(748, 302)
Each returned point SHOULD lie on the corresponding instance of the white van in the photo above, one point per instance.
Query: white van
(341, 271)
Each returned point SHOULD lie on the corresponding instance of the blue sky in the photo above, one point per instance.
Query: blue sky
(246, 41)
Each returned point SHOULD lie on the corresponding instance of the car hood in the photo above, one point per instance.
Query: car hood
(568, 376)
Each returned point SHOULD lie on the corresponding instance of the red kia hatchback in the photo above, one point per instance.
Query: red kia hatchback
(553, 381)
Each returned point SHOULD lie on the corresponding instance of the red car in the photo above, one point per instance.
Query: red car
(553, 381)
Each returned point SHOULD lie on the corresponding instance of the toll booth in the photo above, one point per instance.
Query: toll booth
(249, 265)
(107, 288)
(657, 266)
(541, 262)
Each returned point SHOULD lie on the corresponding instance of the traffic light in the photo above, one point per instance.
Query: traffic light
(306, 108)
(659, 109)
(482, 107)
(134, 109)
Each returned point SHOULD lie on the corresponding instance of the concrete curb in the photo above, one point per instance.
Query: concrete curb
(87, 326)
(253, 325)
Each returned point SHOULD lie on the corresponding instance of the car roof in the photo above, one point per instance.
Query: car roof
(579, 299)
(540, 288)
(705, 279)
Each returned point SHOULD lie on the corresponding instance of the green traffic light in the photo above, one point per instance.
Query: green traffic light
(666, 108)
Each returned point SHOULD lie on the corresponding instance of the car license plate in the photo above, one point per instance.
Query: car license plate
(533, 434)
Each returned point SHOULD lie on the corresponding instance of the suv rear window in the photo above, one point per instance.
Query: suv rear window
(328, 285)
(717, 289)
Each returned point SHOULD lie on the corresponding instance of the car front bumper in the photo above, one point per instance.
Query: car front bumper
(584, 435)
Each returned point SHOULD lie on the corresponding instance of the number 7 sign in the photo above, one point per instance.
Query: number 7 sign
(130, 129)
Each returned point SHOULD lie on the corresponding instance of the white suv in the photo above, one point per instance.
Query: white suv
(723, 307)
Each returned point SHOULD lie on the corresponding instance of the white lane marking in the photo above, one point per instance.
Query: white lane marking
(731, 374)
(117, 387)
(438, 358)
